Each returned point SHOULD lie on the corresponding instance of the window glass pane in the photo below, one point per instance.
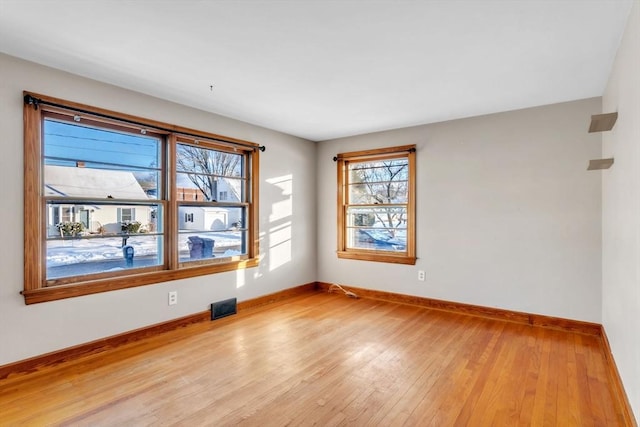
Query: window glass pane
(91, 254)
(208, 188)
(378, 193)
(231, 190)
(377, 228)
(205, 174)
(208, 232)
(198, 245)
(199, 160)
(376, 239)
(64, 220)
(82, 161)
(86, 182)
(73, 141)
(390, 218)
(379, 171)
(196, 187)
(90, 239)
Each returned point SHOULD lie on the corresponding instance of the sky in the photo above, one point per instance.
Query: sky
(99, 147)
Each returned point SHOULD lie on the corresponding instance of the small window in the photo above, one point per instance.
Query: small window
(66, 213)
(208, 234)
(376, 205)
(127, 214)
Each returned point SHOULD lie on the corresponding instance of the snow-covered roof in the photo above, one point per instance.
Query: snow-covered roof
(91, 183)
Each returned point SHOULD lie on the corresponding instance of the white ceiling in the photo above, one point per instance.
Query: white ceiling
(327, 69)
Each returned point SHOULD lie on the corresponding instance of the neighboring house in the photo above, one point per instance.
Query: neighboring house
(185, 193)
(80, 182)
(203, 218)
(213, 218)
(229, 190)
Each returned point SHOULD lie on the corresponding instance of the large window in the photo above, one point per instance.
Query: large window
(113, 201)
(376, 206)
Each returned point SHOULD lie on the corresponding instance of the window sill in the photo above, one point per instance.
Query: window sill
(378, 257)
(53, 293)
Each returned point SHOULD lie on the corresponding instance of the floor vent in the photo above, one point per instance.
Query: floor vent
(224, 308)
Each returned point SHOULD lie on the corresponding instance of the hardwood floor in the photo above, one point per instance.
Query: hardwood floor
(325, 359)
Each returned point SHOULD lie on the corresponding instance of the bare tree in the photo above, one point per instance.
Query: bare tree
(384, 184)
(205, 166)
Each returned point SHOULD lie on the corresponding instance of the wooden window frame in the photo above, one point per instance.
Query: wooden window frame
(343, 160)
(36, 288)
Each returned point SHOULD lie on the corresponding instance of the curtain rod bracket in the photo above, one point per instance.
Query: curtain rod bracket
(412, 150)
(335, 158)
(262, 148)
(30, 100)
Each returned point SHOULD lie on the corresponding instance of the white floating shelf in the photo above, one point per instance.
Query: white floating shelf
(602, 122)
(599, 164)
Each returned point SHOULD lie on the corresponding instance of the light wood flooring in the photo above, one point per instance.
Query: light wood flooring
(325, 359)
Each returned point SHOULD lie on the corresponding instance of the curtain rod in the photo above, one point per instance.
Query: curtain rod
(391, 151)
(32, 100)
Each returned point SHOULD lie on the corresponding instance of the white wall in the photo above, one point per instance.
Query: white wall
(621, 212)
(507, 214)
(287, 222)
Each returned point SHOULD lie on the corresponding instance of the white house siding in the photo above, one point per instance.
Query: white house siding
(80, 182)
(207, 219)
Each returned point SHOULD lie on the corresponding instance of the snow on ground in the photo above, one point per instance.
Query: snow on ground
(75, 251)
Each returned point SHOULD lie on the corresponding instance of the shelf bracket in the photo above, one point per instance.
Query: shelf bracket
(599, 164)
(602, 122)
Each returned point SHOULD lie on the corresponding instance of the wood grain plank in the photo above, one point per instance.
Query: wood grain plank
(325, 359)
(104, 344)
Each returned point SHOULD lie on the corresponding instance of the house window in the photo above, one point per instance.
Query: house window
(224, 195)
(66, 213)
(96, 181)
(126, 214)
(376, 205)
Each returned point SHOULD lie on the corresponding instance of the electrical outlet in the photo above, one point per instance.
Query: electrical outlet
(173, 297)
(421, 275)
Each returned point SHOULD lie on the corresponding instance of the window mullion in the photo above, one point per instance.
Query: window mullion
(252, 196)
(411, 206)
(171, 215)
(341, 204)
